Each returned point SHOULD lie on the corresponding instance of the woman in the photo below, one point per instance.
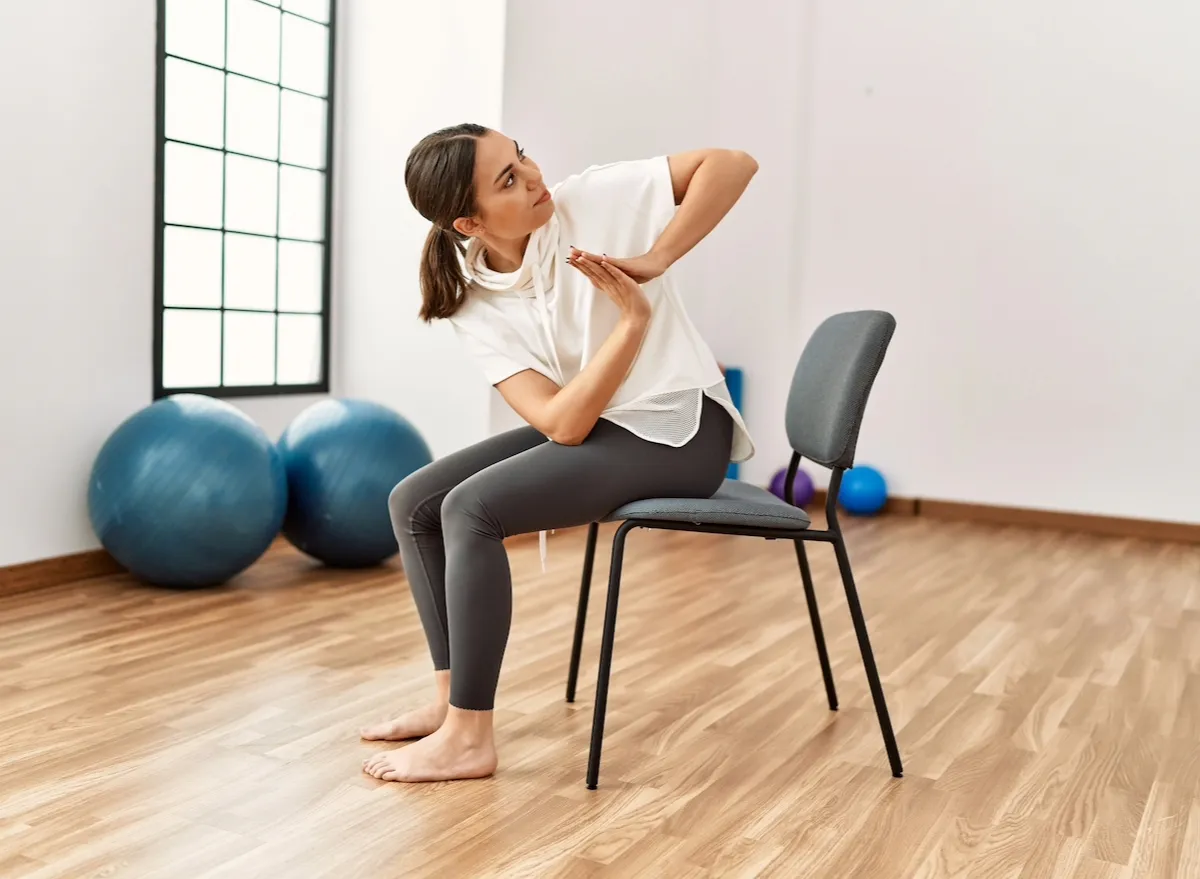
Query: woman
(623, 399)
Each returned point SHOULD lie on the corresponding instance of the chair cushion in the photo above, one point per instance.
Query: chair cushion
(735, 503)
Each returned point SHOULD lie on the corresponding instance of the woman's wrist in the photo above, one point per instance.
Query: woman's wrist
(634, 321)
(661, 256)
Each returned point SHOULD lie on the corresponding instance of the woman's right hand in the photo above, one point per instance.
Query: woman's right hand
(625, 292)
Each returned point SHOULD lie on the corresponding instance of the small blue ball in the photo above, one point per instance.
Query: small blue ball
(863, 491)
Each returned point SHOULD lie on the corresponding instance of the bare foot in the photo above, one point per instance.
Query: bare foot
(413, 725)
(443, 756)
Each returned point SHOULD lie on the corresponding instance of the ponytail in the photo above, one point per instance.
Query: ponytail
(443, 285)
(440, 177)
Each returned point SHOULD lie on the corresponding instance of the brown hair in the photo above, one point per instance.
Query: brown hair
(440, 177)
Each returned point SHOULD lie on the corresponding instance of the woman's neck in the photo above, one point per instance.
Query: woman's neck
(505, 254)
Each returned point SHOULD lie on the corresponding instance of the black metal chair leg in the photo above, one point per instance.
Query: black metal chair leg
(585, 585)
(814, 614)
(606, 651)
(868, 657)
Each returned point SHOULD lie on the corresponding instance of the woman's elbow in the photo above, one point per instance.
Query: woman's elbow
(737, 159)
(568, 432)
(747, 162)
(566, 437)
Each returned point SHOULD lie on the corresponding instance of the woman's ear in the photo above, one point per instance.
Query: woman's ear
(468, 226)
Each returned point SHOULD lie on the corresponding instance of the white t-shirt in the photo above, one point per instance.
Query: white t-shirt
(548, 317)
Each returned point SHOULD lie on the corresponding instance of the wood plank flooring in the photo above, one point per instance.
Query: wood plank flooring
(1045, 689)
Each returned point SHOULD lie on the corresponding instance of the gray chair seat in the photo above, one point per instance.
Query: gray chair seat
(735, 503)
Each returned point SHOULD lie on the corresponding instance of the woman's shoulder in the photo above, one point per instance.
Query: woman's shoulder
(476, 306)
(621, 179)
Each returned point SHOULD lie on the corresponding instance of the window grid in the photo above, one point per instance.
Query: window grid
(222, 388)
(251, 77)
(243, 231)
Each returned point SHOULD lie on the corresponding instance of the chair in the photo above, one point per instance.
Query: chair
(825, 408)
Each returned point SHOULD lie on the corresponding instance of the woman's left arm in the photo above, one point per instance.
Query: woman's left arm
(707, 183)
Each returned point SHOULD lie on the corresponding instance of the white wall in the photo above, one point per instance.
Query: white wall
(76, 249)
(1018, 182)
(76, 260)
(646, 77)
(76, 256)
(409, 68)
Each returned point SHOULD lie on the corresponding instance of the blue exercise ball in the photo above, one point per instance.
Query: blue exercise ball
(863, 491)
(343, 458)
(188, 492)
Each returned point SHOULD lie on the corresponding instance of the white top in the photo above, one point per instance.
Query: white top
(548, 317)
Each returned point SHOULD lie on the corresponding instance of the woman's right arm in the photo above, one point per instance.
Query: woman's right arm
(567, 415)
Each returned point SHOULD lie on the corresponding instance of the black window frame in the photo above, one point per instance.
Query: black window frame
(231, 391)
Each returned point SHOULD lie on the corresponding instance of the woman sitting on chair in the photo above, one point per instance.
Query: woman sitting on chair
(565, 298)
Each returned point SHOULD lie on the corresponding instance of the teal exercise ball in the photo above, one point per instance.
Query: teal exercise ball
(863, 491)
(187, 492)
(343, 458)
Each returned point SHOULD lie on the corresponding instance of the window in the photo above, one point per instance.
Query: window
(245, 109)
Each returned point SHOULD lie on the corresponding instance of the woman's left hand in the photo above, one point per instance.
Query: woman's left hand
(641, 269)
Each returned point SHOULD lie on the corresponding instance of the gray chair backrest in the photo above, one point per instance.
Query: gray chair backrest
(832, 382)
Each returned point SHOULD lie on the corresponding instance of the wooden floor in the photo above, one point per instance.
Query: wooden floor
(1045, 689)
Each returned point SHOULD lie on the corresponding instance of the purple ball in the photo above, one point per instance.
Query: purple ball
(802, 487)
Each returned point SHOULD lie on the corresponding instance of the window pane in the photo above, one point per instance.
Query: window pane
(191, 349)
(249, 272)
(249, 348)
(318, 9)
(191, 268)
(299, 349)
(301, 203)
(195, 103)
(303, 139)
(196, 29)
(305, 55)
(250, 199)
(192, 186)
(253, 123)
(301, 271)
(254, 40)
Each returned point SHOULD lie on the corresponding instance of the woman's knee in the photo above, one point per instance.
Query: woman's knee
(465, 507)
(414, 501)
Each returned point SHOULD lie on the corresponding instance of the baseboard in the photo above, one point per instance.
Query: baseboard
(900, 506)
(1111, 526)
(56, 571)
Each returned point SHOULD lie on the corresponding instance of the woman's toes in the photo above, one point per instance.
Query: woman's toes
(377, 764)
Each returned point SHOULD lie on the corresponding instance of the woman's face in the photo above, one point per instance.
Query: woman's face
(511, 196)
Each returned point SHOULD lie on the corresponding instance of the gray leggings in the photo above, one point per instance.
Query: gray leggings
(451, 517)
